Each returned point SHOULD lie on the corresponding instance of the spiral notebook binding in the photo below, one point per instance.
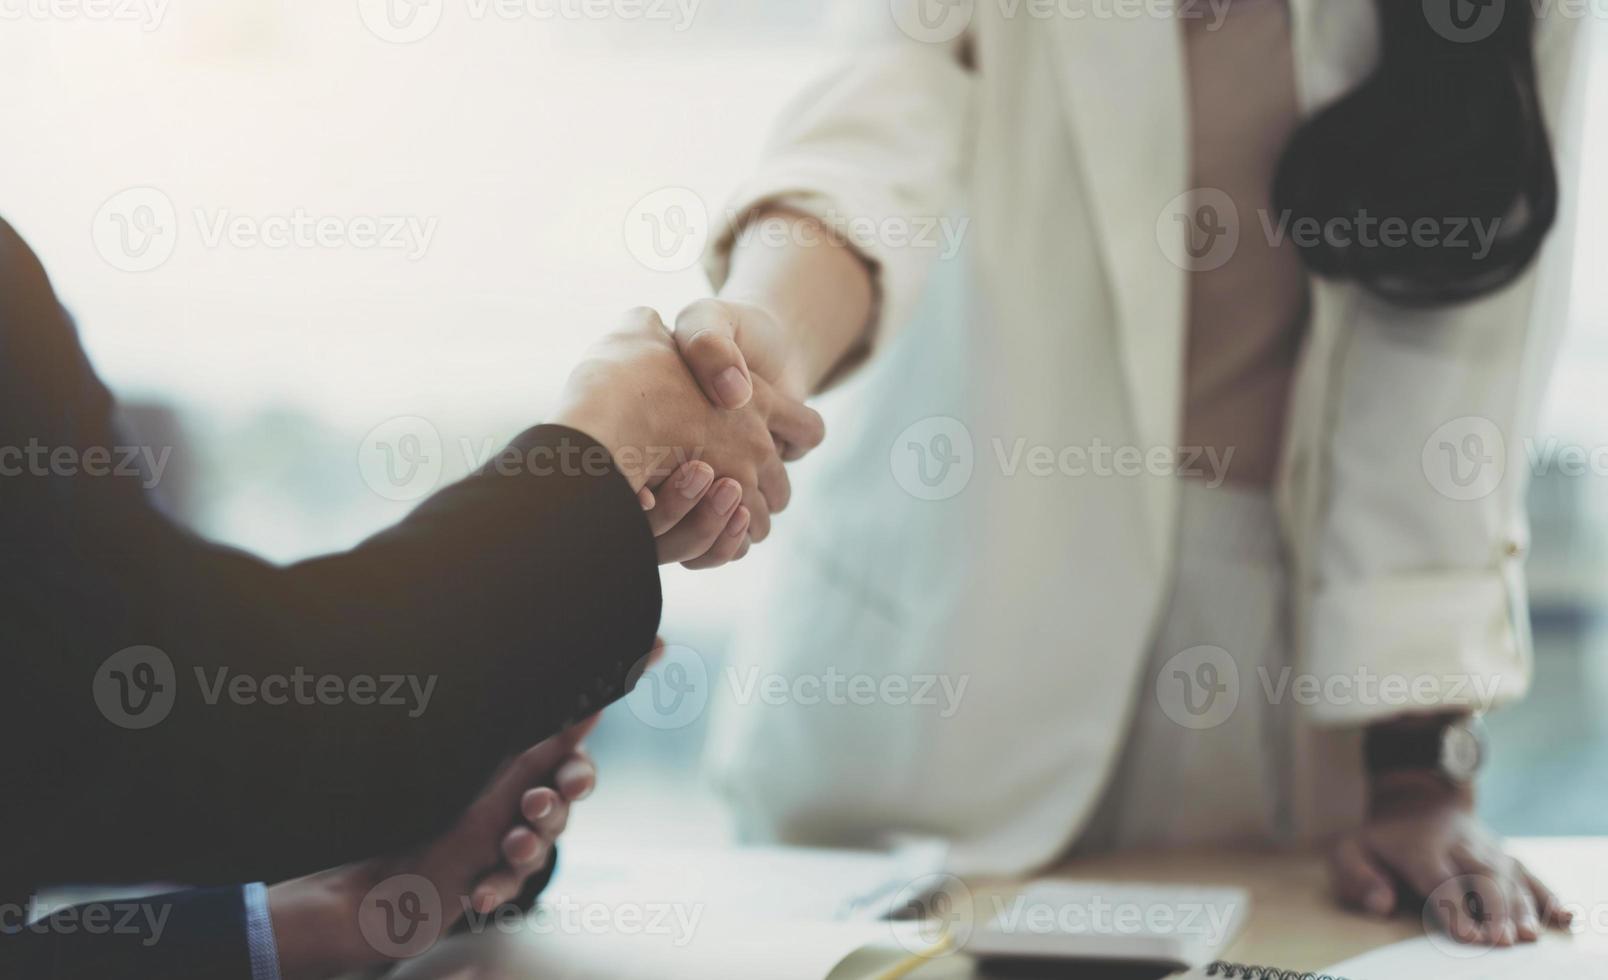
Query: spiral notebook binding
(1237, 971)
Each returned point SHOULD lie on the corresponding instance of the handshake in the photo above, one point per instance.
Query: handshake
(700, 420)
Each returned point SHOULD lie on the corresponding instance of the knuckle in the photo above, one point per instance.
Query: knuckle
(642, 317)
(702, 313)
(710, 522)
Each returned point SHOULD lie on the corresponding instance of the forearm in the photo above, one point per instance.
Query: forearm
(819, 289)
(502, 609)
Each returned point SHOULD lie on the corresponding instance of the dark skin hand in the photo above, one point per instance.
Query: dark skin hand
(1423, 843)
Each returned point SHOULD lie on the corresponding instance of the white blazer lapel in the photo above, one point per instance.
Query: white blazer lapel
(1124, 90)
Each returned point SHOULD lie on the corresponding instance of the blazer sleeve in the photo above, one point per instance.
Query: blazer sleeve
(190, 935)
(504, 607)
(873, 150)
(1416, 597)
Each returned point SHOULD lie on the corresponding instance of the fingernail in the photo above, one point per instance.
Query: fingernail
(737, 527)
(544, 809)
(1380, 901)
(733, 388)
(727, 497)
(695, 480)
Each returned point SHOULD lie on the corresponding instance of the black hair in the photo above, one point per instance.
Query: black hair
(1447, 128)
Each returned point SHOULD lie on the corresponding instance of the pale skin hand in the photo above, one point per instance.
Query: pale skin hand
(1421, 834)
(635, 396)
(789, 317)
(794, 311)
(517, 817)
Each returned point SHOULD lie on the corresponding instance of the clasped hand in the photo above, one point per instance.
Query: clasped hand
(710, 473)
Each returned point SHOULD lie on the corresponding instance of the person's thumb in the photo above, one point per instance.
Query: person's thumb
(707, 336)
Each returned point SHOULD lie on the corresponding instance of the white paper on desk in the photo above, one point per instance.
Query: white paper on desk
(772, 950)
(1421, 959)
(794, 884)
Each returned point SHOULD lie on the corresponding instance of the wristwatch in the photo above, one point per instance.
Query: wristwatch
(1455, 747)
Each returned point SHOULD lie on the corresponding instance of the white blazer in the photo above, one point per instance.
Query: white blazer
(1036, 596)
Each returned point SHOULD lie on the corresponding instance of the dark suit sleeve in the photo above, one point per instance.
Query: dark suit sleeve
(191, 935)
(505, 606)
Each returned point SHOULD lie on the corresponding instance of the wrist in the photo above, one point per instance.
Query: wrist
(315, 923)
(599, 422)
(819, 291)
(1392, 793)
(799, 369)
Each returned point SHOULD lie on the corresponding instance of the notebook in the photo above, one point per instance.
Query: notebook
(1557, 957)
(1179, 925)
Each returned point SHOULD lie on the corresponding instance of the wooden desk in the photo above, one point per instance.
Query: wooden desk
(1294, 923)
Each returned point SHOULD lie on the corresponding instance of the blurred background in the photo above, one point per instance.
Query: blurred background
(286, 226)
